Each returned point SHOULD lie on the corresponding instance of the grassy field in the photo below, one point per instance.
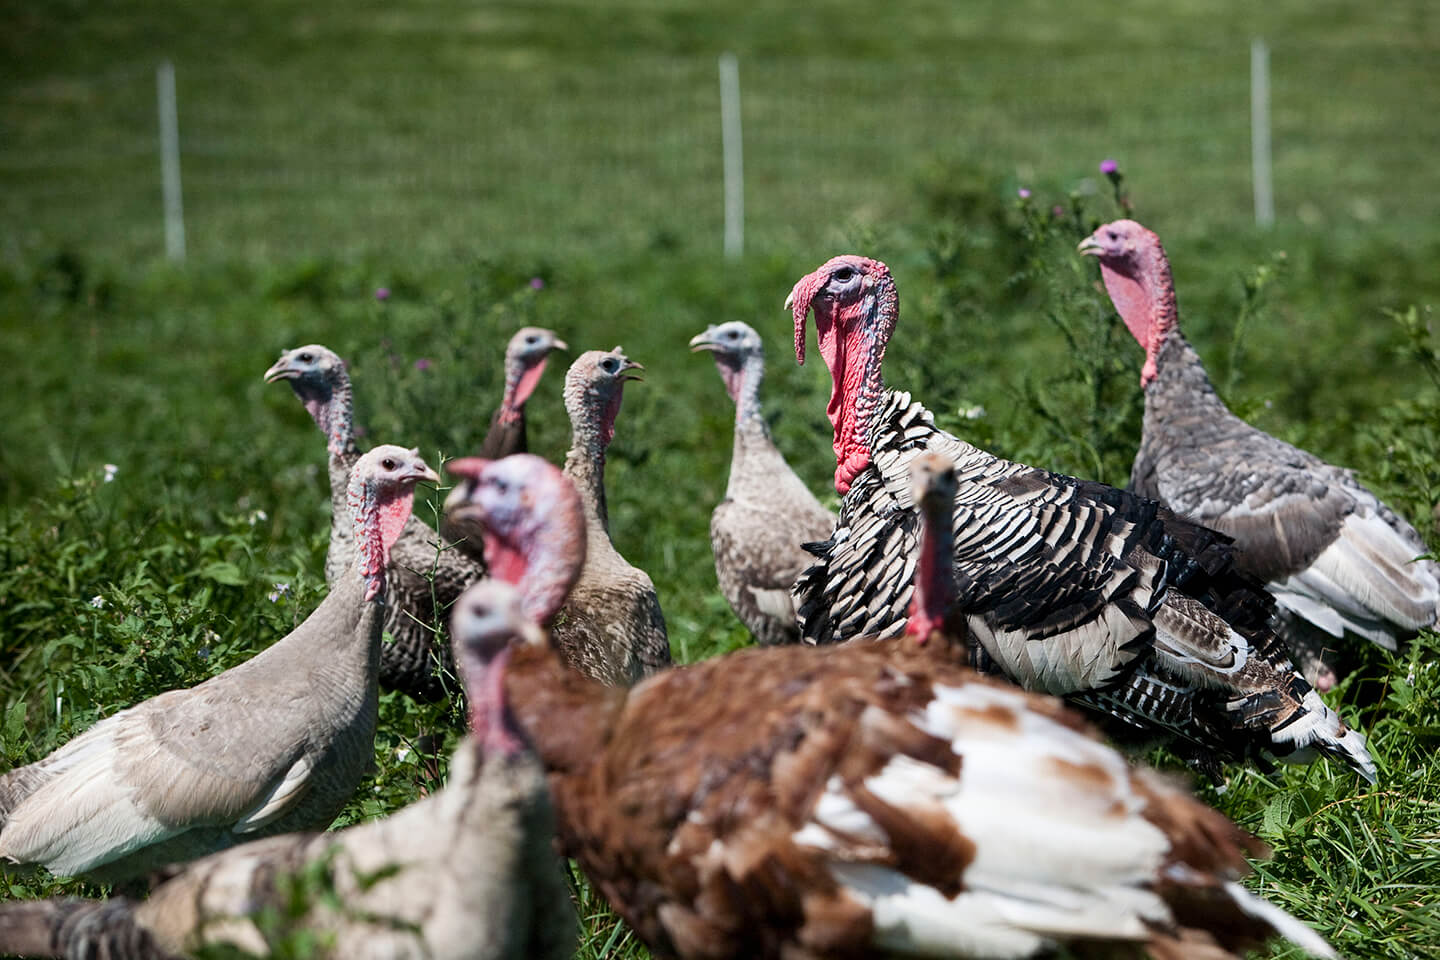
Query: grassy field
(451, 153)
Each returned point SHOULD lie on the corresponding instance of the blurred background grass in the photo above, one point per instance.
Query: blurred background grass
(453, 152)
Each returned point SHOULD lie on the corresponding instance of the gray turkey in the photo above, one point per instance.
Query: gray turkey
(426, 574)
(467, 873)
(1070, 587)
(612, 628)
(768, 512)
(1337, 559)
(525, 359)
(856, 801)
(275, 744)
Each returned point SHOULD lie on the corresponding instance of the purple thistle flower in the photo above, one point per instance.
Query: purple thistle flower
(537, 284)
(1058, 210)
(422, 364)
(382, 294)
(1108, 166)
(1024, 193)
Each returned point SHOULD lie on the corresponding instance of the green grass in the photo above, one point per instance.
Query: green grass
(453, 152)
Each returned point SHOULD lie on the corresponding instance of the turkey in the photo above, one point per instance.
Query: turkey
(465, 874)
(853, 801)
(612, 628)
(1337, 559)
(273, 745)
(768, 512)
(426, 575)
(1070, 587)
(525, 358)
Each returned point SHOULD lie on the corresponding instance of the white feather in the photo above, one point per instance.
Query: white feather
(1056, 856)
(82, 815)
(279, 800)
(1366, 581)
(1284, 924)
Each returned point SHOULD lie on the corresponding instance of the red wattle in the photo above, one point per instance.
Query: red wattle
(491, 723)
(391, 515)
(1137, 308)
(527, 383)
(734, 378)
(607, 417)
(505, 562)
(847, 357)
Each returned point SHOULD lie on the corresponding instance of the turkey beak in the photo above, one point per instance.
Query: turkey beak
(790, 301)
(1090, 247)
(625, 373)
(280, 370)
(421, 471)
(558, 344)
(702, 341)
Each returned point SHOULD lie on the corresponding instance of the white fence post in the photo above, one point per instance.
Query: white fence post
(734, 160)
(1260, 132)
(170, 161)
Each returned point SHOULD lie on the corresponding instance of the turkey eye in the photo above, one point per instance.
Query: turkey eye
(532, 339)
(1112, 235)
(306, 357)
(388, 464)
(844, 275)
(609, 366)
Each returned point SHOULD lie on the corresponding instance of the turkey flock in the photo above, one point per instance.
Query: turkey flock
(909, 762)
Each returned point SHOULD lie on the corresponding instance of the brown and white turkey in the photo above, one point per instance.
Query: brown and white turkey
(273, 745)
(758, 530)
(1337, 559)
(427, 573)
(1070, 587)
(467, 873)
(856, 801)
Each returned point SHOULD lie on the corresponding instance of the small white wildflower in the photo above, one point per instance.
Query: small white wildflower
(281, 589)
(110, 471)
(1410, 677)
(257, 515)
(1269, 404)
(98, 602)
(973, 413)
(401, 753)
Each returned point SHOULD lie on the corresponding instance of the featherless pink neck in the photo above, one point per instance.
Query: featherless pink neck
(520, 383)
(545, 562)
(379, 518)
(934, 577)
(742, 383)
(492, 723)
(609, 413)
(1144, 295)
(331, 407)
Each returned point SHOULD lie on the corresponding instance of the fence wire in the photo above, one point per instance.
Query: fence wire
(548, 159)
